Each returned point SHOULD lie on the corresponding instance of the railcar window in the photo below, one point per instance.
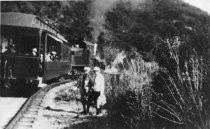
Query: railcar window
(65, 53)
(53, 50)
(29, 45)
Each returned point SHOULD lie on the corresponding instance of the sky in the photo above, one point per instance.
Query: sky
(202, 4)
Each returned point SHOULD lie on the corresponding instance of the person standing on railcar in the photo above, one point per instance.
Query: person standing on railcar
(8, 63)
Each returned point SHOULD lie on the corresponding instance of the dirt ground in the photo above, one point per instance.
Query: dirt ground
(60, 113)
(8, 107)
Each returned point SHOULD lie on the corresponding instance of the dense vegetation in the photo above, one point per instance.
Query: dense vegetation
(164, 44)
(176, 36)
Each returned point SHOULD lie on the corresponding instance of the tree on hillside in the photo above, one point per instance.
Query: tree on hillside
(164, 19)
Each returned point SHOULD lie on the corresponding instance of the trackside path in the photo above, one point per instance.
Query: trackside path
(63, 114)
(56, 108)
(8, 108)
(57, 115)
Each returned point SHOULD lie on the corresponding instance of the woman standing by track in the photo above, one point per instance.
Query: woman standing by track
(98, 90)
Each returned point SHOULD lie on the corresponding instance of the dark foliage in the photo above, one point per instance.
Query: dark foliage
(161, 19)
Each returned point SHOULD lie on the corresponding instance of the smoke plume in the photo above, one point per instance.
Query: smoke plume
(99, 8)
(97, 15)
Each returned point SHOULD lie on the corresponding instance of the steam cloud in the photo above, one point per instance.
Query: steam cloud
(99, 8)
(97, 16)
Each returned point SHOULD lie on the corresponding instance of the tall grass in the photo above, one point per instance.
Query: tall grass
(168, 94)
(182, 100)
(130, 98)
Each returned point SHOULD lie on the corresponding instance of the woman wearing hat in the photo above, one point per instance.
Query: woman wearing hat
(98, 88)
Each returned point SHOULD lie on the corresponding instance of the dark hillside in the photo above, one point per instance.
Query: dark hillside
(161, 19)
(177, 37)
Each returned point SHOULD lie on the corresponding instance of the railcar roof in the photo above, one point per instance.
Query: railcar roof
(24, 20)
(27, 20)
(17, 19)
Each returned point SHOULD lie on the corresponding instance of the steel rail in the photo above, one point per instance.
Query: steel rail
(40, 94)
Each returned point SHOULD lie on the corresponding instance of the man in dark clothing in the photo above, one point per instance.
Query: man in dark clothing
(86, 89)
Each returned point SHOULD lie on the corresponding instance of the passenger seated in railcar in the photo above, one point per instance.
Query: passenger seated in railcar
(47, 57)
(54, 56)
(51, 56)
(34, 52)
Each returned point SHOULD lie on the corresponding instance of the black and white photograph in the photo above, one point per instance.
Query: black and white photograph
(105, 64)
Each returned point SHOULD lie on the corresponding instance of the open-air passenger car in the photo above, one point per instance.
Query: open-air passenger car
(31, 48)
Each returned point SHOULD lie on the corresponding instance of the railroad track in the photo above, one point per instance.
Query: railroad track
(28, 113)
